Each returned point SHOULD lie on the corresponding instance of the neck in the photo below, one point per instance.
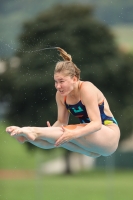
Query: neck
(75, 90)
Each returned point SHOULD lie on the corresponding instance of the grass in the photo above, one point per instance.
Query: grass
(93, 185)
(17, 156)
(13, 154)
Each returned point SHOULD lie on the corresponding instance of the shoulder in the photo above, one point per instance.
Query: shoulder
(87, 86)
(88, 92)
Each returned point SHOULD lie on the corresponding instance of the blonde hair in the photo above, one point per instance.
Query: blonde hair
(66, 66)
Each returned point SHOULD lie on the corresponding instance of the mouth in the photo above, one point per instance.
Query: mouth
(61, 91)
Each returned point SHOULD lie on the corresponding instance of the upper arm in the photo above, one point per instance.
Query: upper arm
(63, 114)
(90, 100)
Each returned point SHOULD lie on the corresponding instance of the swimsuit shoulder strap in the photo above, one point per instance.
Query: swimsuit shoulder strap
(101, 103)
(80, 84)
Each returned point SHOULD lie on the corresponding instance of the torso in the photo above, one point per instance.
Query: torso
(76, 106)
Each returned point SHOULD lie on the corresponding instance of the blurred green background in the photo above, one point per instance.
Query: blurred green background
(98, 35)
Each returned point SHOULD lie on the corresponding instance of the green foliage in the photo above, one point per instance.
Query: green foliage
(123, 36)
(93, 48)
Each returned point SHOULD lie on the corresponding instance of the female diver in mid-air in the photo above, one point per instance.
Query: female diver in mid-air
(98, 132)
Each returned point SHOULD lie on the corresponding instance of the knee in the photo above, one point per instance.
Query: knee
(109, 153)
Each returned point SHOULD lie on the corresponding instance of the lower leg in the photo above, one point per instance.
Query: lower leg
(46, 145)
(75, 148)
(45, 138)
(69, 146)
(42, 144)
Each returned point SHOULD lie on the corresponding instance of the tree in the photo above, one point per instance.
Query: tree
(93, 49)
(72, 28)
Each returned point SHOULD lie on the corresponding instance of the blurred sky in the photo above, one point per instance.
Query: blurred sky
(14, 12)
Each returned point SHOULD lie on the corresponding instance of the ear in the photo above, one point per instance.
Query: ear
(75, 79)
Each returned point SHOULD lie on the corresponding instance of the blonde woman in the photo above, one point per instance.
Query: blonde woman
(97, 133)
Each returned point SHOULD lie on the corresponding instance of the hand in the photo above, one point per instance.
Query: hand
(65, 137)
(48, 124)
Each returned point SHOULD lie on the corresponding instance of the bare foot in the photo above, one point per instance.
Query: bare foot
(11, 129)
(19, 138)
(26, 132)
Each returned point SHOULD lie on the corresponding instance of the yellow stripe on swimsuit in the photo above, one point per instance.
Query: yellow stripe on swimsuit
(107, 122)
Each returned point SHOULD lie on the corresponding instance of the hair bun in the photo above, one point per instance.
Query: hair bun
(64, 54)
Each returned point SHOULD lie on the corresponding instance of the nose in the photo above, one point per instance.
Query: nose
(58, 86)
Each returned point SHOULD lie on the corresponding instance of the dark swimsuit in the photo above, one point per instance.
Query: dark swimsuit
(79, 111)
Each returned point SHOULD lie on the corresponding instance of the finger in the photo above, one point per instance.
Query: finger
(60, 141)
(63, 128)
(48, 124)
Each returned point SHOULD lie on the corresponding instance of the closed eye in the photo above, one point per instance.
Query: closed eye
(59, 82)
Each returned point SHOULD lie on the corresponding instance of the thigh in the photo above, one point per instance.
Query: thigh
(105, 141)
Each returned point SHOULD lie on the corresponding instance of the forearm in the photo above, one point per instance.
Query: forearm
(88, 129)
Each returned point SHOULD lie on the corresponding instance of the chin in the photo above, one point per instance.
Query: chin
(64, 94)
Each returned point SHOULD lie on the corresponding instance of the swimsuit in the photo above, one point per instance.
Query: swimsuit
(79, 111)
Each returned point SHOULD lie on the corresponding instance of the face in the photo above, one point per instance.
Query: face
(64, 84)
